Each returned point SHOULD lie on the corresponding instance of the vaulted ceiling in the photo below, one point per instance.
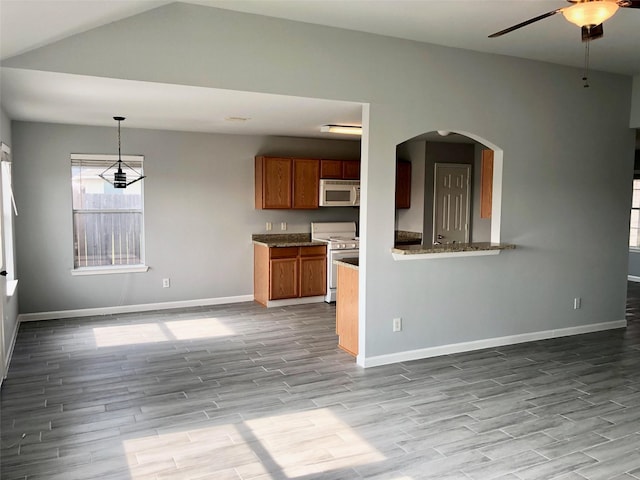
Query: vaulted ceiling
(25, 25)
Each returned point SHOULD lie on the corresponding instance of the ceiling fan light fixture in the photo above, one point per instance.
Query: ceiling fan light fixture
(343, 129)
(589, 13)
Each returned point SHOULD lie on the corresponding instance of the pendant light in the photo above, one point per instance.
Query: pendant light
(115, 174)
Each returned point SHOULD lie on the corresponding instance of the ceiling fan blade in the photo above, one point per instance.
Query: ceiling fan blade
(524, 24)
(592, 33)
(629, 3)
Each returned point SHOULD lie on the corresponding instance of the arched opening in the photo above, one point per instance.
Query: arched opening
(448, 190)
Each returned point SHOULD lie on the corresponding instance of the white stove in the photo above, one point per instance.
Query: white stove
(341, 243)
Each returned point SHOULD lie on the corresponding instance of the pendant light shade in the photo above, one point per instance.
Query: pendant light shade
(116, 174)
(590, 13)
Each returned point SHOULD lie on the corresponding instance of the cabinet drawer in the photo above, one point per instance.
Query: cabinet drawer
(313, 251)
(283, 252)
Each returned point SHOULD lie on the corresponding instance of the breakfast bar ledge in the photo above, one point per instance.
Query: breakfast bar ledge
(423, 252)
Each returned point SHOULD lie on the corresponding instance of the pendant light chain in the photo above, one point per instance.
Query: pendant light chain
(585, 77)
(119, 152)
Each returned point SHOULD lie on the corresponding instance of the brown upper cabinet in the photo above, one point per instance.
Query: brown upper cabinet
(345, 169)
(306, 183)
(285, 183)
(273, 182)
(486, 184)
(351, 169)
(330, 168)
(403, 184)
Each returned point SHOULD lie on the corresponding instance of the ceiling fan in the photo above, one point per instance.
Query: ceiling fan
(586, 14)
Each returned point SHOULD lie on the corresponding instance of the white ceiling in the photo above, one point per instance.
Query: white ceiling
(75, 99)
(25, 25)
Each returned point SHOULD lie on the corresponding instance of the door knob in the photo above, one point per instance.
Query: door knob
(440, 237)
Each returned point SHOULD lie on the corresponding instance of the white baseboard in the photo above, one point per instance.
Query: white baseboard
(295, 301)
(10, 353)
(633, 278)
(85, 312)
(486, 343)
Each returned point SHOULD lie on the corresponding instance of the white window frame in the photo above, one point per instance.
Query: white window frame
(112, 269)
(8, 211)
(634, 248)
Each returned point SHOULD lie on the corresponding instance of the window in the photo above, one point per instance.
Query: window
(108, 231)
(6, 225)
(634, 227)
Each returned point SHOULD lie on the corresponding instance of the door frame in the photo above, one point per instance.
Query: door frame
(467, 166)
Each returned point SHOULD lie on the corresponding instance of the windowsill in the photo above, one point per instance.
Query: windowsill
(634, 249)
(12, 286)
(109, 270)
(423, 252)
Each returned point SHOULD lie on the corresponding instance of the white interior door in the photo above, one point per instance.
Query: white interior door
(451, 203)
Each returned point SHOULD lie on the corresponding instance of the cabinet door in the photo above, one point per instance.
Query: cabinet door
(273, 182)
(403, 184)
(306, 183)
(284, 278)
(347, 309)
(261, 279)
(486, 184)
(313, 276)
(330, 168)
(351, 169)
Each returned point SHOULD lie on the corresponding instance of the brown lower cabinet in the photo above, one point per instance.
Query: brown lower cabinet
(288, 272)
(347, 309)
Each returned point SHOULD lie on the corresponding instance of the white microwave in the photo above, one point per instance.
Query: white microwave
(339, 193)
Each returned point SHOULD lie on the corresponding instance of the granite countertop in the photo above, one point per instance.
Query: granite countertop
(403, 237)
(450, 247)
(350, 262)
(285, 240)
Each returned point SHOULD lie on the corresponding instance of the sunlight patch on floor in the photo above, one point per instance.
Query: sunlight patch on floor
(195, 329)
(198, 328)
(276, 447)
(200, 452)
(312, 442)
(128, 335)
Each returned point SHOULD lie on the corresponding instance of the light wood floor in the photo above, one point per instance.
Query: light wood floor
(242, 392)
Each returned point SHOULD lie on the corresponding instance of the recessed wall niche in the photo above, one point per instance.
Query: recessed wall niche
(478, 207)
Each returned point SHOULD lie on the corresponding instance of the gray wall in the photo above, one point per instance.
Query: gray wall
(199, 213)
(568, 160)
(635, 104)
(5, 127)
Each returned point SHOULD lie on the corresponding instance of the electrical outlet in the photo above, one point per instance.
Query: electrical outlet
(268, 227)
(283, 226)
(577, 303)
(166, 283)
(397, 324)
